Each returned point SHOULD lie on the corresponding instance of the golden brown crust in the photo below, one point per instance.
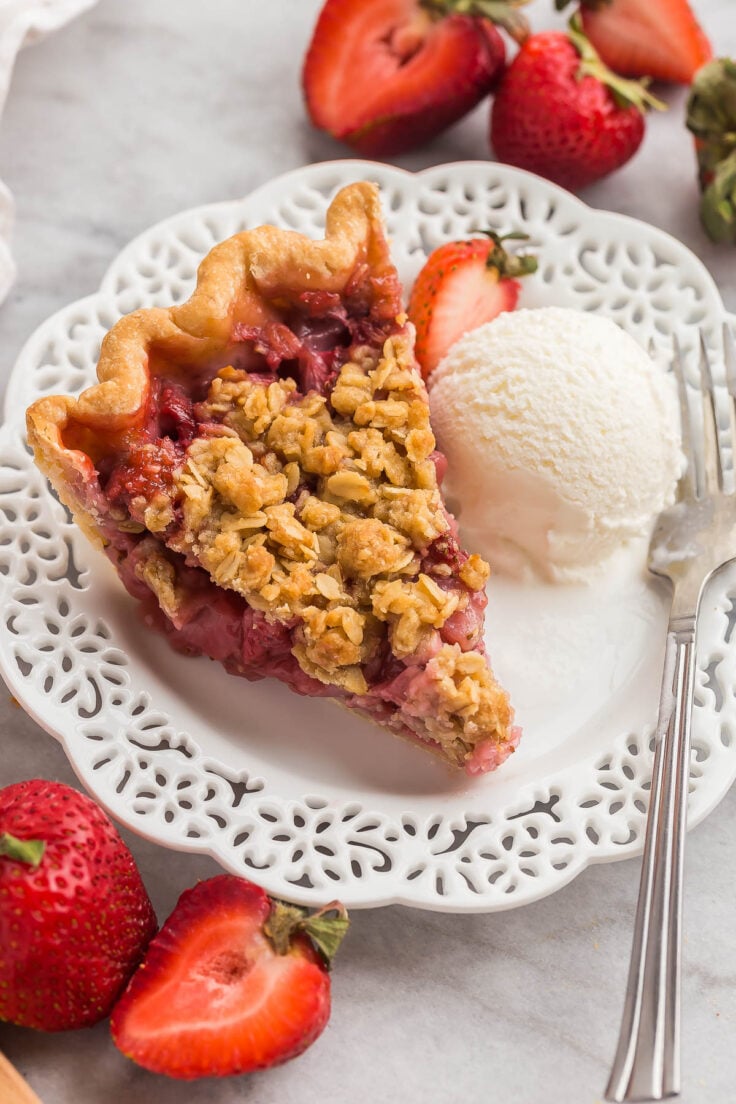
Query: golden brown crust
(235, 282)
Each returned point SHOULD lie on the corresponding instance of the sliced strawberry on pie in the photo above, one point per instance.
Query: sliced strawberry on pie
(259, 466)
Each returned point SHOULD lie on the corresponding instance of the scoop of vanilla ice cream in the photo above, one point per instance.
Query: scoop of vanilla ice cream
(561, 436)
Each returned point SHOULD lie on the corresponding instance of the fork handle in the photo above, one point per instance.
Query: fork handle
(647, 1062)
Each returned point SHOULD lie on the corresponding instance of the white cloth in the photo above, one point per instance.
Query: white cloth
(23, 22)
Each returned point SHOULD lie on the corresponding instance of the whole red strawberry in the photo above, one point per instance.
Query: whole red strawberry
(561, 113)
(233, 982)
(75, 917)
(387, 75)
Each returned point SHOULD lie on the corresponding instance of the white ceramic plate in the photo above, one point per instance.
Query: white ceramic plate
(311, 802)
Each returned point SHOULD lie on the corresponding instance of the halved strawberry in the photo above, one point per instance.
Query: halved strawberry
(232, 983)
(386, 75)
(462, 285)
(661, 39)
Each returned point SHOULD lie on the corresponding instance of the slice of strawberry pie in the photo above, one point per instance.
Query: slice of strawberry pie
(258, 465)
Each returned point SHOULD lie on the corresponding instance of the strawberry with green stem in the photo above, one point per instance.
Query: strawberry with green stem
(75, 917)
(462, 285)
(711, 116)
(561, 113)
(233, 982)
(386, 75)
(660, 39)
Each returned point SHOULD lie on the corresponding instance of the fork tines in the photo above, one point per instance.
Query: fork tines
(704, 474)
(712, 464)
(689, 476)
(729, 357)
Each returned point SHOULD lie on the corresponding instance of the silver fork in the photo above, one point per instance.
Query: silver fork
(690, 542)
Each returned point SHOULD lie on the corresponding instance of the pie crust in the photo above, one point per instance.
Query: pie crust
(259, 466)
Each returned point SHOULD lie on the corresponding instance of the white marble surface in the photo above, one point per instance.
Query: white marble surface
(134, 112)
(23, 22)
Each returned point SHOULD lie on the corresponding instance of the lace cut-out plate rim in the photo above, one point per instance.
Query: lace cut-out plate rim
(63, 664)
(481, 185)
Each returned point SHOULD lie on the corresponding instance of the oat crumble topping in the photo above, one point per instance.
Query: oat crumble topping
(344, 553)
(318, 511)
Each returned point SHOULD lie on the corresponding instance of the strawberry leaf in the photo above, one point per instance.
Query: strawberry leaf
(510, 265)
(326, 931)
(711, 116)
(25, 851)
(711, 113)
(627, 93)
(718, 203)
(501, 12)
(281, 925)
